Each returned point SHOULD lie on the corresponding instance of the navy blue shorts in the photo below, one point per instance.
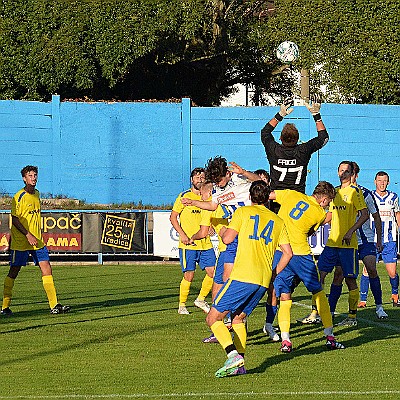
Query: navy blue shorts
(346, 258)
(238, 296)
(190, 258)
(19, 258)
(366, 249)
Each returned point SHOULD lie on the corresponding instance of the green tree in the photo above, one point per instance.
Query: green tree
(136, 49)
(350, 46)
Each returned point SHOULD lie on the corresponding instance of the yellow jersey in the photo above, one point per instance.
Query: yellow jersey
(260, 232)
(26, 207)
(218, 222)
(345, 207)
(190, 219)
(301, 213)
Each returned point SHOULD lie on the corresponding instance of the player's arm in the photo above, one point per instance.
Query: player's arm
(177, 226)
(204, 205)
(287, 254)
(32, 240)
(378, 229)
(363, 216)
(266, 132)
(251, 176)
(323, 137)
(201, 233)
(328, 218)
(228, 236)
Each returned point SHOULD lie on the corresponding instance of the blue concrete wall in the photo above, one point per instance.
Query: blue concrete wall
(131, 152)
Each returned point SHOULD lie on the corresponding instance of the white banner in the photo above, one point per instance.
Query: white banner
(166, 239)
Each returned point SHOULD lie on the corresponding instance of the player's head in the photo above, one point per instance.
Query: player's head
(206, 190)
(197, 177)
(345, 171)
(259, 192)
(356, 171)
(289, 135)
(324, 193)
(263, 174)
(29, 174)
(217, 171)
(381, 181)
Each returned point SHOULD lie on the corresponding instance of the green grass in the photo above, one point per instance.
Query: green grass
(124, 339)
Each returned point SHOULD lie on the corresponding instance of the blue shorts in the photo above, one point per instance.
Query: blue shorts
(19, 258)
(190, 258)
(366, 249)
(305, 269)
(230, 252)
(389, 252)
(238, 296)
(338, 256)
(219, 269)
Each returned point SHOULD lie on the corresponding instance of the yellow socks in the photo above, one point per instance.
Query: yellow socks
(323, 308)
(50, 289)
(353, 301)
(221, 332)
(184, 291)
(240, 337)
(7, 294)
(284, 315)
(205, 287)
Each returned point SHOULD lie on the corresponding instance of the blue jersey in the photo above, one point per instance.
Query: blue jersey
(366, 234)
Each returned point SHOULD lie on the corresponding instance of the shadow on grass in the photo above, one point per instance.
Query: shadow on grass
(369, 329)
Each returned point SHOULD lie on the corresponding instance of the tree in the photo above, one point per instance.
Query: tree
(350, 46)
(136, 49)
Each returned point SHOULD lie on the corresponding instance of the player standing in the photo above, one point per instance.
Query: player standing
(192, 252)
(341, 250)
(26, 238)
(389, 210)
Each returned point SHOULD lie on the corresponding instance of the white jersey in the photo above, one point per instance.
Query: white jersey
(388, 207)
(366, 234)
(235, 194)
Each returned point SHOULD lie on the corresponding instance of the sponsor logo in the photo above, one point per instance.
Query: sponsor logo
(225, 197)
(289, 163)
(339, 208)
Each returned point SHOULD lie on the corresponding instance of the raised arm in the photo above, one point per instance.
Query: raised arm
(266, 132)
(251, 176)
(322, 137)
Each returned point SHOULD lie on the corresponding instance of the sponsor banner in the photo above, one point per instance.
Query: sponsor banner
(85, 232)
(166, 239)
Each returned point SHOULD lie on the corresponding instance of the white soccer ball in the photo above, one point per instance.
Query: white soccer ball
(288, 52)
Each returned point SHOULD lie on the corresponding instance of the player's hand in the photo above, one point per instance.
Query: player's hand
(31, 239)
(285, 109)
(186, 240)
(379, 246)
(347, 238)
(186, 202)
(233, 167)
(315, 106)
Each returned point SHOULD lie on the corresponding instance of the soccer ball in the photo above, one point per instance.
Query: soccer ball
(287, 52)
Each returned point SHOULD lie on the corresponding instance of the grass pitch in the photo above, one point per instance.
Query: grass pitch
(124, 339)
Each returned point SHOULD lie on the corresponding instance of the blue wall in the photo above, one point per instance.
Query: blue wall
(131, 152)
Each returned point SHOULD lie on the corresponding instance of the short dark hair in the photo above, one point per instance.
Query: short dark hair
(196, 171)
(289, 135)
(259, 192)
(356, 168)
(324, 188)
(262, 172)
(29, 168)
(348, 163)
(382, 173)
(216, 169)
